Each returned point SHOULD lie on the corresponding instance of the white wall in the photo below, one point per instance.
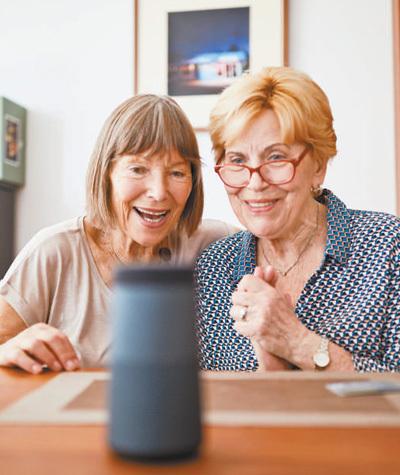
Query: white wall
(346, 47)
(70, 62)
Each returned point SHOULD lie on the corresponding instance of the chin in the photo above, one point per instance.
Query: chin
(263, 231)
(148, 237)
(146, 241)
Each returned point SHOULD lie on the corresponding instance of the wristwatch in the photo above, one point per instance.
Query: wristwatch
(321, 357)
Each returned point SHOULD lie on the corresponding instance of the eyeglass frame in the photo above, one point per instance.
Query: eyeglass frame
(295, 162)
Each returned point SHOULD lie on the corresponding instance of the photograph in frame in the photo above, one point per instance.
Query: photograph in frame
(207, 50)
(154, 63)
(12, 143)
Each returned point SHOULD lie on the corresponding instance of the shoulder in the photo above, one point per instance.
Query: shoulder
(48, 249)
(368, 232)
(58, 231)
(374, 225)
(56, 240)
(358, 221)
(219, 263)
(376, 237)
(210, 230)
(224, 251)
(376, 218)
(61, 234)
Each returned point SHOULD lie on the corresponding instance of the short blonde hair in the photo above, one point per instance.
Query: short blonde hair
(143, 123)
(301, 106)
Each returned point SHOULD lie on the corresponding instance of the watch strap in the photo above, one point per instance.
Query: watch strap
(321, 357)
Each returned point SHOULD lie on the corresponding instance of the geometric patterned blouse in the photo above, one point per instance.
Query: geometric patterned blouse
(353, 299)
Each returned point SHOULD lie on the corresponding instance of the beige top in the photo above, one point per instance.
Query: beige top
(54, 279)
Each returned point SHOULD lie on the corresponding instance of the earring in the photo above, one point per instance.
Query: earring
(316, 191)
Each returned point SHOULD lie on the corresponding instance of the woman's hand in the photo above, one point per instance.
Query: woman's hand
(270, 321)
(37, 346)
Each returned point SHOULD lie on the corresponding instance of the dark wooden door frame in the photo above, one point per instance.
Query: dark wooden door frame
(396, 69)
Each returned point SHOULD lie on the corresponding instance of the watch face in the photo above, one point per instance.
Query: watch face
(321, 359)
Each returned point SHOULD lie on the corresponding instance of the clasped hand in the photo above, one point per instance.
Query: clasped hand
(270, 321)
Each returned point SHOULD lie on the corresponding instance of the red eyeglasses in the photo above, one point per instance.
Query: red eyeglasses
(278, 169)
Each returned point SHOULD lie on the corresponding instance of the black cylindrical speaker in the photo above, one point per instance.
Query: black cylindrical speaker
(154, 394)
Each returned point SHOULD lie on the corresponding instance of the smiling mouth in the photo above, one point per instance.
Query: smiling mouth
(261, 205)
(151, 216)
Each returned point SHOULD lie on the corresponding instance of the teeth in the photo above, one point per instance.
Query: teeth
(153, 220)
(152, 213)
(151, 216)
(261, 205)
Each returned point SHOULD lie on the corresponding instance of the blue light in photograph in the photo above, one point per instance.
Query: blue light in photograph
(207, 50)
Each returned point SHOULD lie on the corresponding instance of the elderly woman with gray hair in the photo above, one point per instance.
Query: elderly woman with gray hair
(310, 283)
(144, 204)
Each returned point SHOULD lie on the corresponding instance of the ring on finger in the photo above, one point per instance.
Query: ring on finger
(242, 314)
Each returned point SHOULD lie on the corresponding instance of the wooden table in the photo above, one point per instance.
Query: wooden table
(75, 450)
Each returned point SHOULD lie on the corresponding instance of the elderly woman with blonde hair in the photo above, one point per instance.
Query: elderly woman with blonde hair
(144, 204)
(310, 284)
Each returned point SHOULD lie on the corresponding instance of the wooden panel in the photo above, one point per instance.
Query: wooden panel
(396, 67)
(41, 450)
(7, 223)
(287, 396)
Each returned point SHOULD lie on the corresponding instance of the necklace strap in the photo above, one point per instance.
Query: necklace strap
(285, 272)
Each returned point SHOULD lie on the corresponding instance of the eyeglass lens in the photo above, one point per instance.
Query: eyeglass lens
(274, 173)
(278, 168)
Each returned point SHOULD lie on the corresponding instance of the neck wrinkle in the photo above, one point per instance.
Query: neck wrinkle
(288, 248)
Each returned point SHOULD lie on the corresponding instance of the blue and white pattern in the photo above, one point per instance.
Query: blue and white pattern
(353, 298)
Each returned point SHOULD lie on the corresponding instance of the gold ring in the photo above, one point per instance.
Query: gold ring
(243, 313)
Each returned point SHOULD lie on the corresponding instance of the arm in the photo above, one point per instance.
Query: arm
(31, 348)
(390, 335)
(10, 322)
(209, 231)
(206, 309)
(305, 346)
(26, 296)
(273, 325)
(268, 361)
(201, 319)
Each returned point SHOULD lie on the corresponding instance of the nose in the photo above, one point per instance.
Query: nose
(256, 182)
(156, 186)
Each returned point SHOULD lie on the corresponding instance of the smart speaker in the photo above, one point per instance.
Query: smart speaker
(154, 393)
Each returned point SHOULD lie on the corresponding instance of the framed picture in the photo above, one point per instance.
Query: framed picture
(192, 51)
(396, 68)
(12, 146)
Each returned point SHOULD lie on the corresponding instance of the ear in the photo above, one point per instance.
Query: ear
(319, 172)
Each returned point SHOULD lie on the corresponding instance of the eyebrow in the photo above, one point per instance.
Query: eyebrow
(265, 150)
(145, 160)
(177, 163)
(272, 146)
(133, 159)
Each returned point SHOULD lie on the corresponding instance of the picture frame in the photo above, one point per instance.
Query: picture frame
(396, 69)
(12, 143)
(267, 44)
